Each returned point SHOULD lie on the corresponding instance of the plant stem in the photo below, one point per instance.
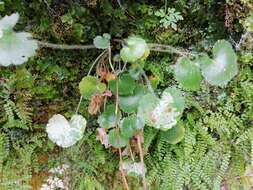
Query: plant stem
(144, 182)
(78, 106)
(169, 49)
(65, 46)
(93, 64)
(122, 171)
(131, 152)
(147, 80)
(96, 60)
(110, 58)
(120, 153)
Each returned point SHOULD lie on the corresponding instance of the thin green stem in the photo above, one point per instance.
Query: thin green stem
(147, 80)
(96, 60)
(93, 64)
(110, 58)
(79, 104)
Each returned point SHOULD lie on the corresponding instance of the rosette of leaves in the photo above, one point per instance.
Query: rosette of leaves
(90, 86)
(15, 47)
(188, 74)
(162, 113)
(66, 133)
(135, 49)
(102, 42)
(223, 67)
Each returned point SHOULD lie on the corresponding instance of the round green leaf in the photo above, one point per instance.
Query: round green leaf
(90, 86)
(136, 49)
(130, 125)
(102, 42)
(126, 85)
(188, 74)
(15, 48)
(108, 118)
(174, 135)
(223, 67)
(116, 139)
(129, 104)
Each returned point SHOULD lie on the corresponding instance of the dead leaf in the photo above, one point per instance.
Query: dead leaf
(103, 137)
(95, 104)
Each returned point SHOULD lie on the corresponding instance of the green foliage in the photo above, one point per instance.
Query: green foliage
(130, 125)
(174, 135)
(109, 119)
(90, 86)
(136, 49)
(169, 17)
(188, 74)
(130, 103)
(216, 149)
(117, 139)
(102, 42)
(249, 22)
(223, 67)
(125, 85)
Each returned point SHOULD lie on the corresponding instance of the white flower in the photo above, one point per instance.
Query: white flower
(65, 133)
(164, 115)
